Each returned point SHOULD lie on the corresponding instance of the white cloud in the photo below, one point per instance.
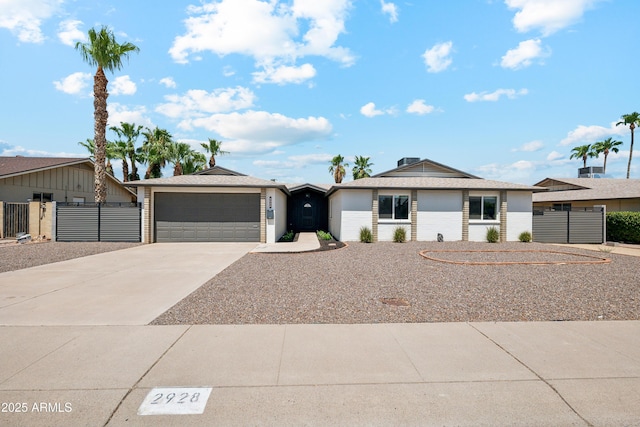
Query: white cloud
(590, 134)
(524, 54)
(74, 83)
(437, 58)
(261, 131)
(420, 107)
(495, 96)
(120, 113)
(69, 34)
(123, 85)
(17, 150)
(168, 82)
(197, 102)
(547, 15)
(369, 110)
(280, 32)
(295, 162)
(25, 17)
(390, 9)
(554, 155)
(531, 146)
(285, 74)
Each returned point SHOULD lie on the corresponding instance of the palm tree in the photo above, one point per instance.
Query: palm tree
(109, 153)
(130, 132)
(178, 153)
(605, 147)
(102, 51)
(582, 152)
(214, 148)
(154, 151)
(361, 168)
(194, 163)
(119, 151)
(632, 120)
(337, 168)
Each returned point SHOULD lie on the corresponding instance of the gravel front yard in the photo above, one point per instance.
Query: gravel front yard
(14, 256)
(349, 286)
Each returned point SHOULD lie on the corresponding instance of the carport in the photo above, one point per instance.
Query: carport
(215, 205)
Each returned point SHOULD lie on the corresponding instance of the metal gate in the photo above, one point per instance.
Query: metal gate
(16, 219)
(94, 222)
(571, 226)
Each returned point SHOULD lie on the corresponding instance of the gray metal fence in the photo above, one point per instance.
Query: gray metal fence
(16, 219)
(93, 222)
(572, 226)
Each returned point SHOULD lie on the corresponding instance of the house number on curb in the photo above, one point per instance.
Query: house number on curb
(175, 401)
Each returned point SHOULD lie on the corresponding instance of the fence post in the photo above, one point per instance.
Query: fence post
(54, 221)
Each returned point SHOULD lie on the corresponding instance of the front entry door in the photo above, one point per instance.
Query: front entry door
(307, 216)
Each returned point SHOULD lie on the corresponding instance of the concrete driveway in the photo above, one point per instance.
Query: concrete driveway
(126, 287)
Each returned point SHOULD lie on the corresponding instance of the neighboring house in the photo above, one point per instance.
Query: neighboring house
(48, 179)
(427, 199)
(216, 204)
(578, 193)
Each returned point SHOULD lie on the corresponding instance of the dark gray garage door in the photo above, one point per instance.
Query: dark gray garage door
(201, 217)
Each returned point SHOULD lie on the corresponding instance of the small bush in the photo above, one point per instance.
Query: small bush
(365, 235)
(525, 237)
(493, 235)
(400, 234)
(623, 227)
(288, 236)
(324, 235)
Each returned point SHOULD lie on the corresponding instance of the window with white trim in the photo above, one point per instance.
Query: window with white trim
(483, 208)
(393, 207)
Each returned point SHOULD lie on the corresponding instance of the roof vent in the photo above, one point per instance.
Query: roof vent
(408, 160)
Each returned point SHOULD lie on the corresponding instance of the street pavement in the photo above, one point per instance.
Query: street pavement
(56, 370)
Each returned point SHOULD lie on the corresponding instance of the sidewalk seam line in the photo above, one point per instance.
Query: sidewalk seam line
(284, 338)
(548, 384)
(415, 368)
(144, 375)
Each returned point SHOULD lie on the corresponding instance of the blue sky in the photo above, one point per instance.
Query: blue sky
(499, 89)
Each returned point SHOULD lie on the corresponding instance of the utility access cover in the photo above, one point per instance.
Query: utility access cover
(175, 401)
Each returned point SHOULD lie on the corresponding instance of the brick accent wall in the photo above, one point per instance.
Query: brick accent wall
(263, 215)
(503, 216)
(465, 215)
(414, 215)
(374, 215)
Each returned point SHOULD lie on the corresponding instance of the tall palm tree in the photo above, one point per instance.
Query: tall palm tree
(105, 53)
(337, 168)
(361, 168)
(214, 148)
(632, 120)
(154, 151)
(109, 153)
(178, 153)
(119, 150)
(605, 147)
(194, 163)
(582, 152)
(130, 133)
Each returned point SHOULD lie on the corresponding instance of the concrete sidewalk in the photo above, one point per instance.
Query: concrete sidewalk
(126, 287)
(549, 373)
(306, 242)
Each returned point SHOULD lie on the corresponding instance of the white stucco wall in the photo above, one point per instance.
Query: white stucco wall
(335, 215)
(386, 229)
(519, 216)
(439, 212)
(355, 208)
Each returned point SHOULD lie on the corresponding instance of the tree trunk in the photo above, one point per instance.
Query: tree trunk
(632, 126)
(101, 116)
(177, 169)
(212, 161)
(125, 170)
(134, 168)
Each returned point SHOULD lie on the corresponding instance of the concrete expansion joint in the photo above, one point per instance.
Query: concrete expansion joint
(548, 384)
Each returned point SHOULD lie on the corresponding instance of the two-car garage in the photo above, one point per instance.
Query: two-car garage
(207, 217)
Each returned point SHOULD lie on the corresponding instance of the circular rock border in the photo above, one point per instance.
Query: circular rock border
(592, 260)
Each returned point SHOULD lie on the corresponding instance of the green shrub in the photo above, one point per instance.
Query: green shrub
(623, 227)
(493, 235)
(400, 234)
(365, 235)
(525, 237)
(288, 236)
(324, 235)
